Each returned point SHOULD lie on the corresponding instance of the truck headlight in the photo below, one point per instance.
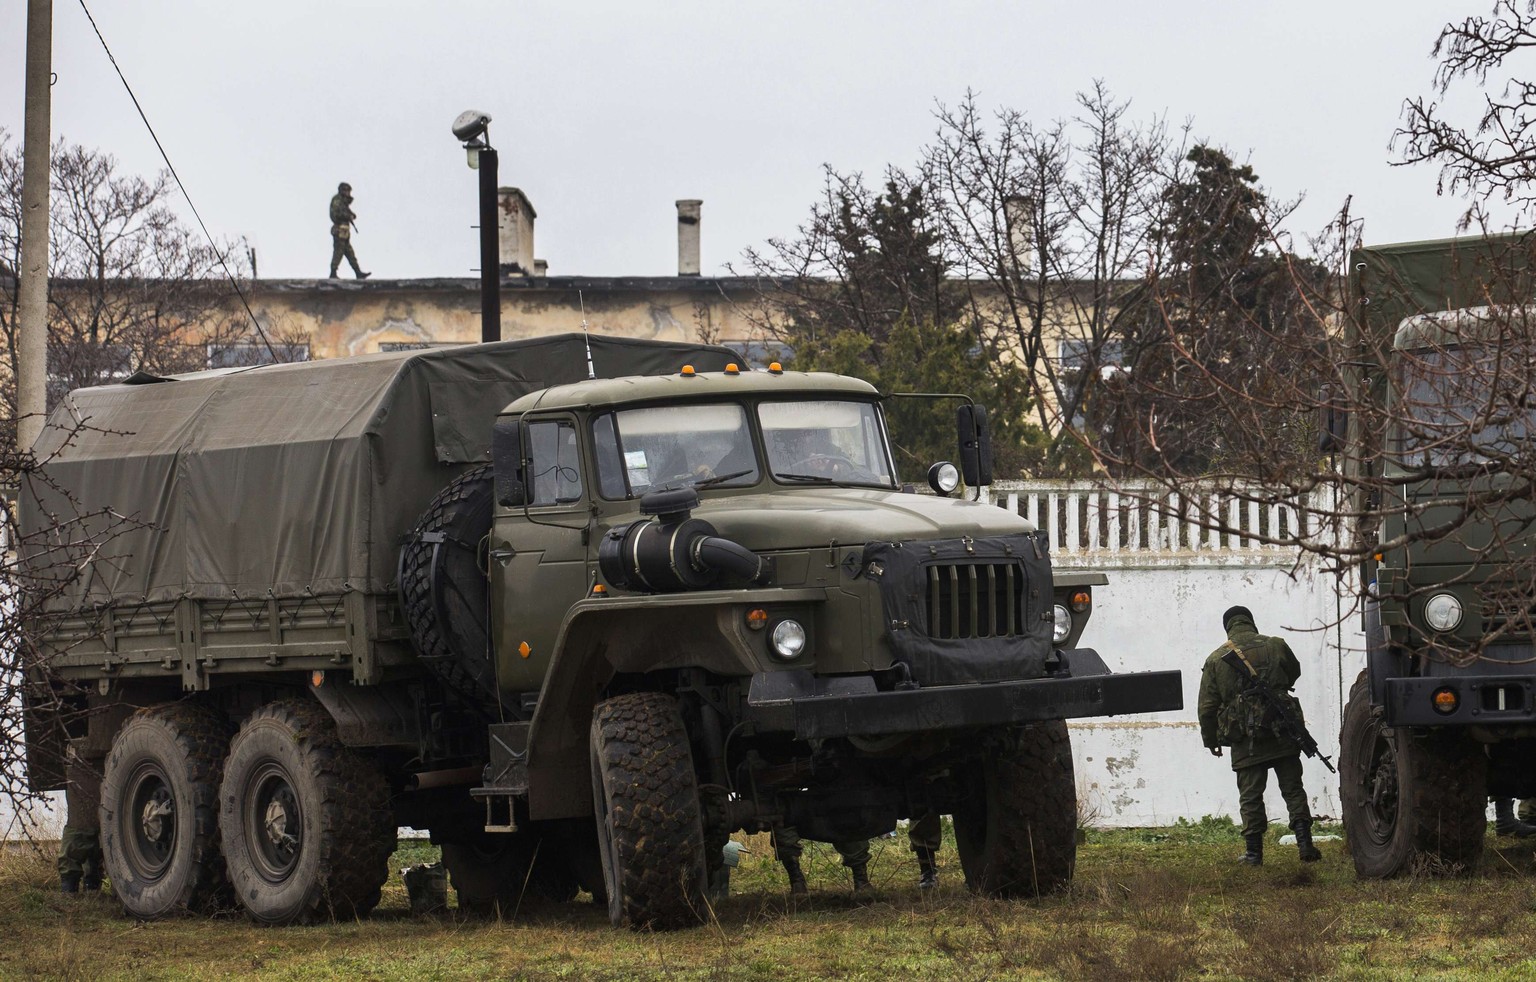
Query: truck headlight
(788, 640)
(1442, 612)
(1063, 625)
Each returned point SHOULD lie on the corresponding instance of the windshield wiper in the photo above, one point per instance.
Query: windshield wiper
(805, 478)
(720, 479)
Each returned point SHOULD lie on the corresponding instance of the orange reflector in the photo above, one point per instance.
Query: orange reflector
(598, 589)
(1080, 600)
(757, 618)
(1445, 701)
(524, 650)
(1378, 557)
(775, 368)
(733, 369)
(317, 678)
(687, 370)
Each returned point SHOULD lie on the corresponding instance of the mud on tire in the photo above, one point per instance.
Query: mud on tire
(1016, 820)
(306, 824)
(443, 588)
(159, 810)
(1413, 804)
(646, 797)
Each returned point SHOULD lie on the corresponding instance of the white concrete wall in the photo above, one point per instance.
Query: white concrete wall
(1162, 610)
(1152, 769)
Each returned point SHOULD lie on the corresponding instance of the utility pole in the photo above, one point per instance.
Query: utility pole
(32, 292)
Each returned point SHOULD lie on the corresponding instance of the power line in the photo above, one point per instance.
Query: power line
(218, 253)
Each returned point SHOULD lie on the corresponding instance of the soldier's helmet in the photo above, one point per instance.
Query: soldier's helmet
(344, 187)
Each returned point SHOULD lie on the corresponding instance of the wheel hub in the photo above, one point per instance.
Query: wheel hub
(157, 817)
(275, 823)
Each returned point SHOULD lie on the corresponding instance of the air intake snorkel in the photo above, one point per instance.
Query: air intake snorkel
(672, 551)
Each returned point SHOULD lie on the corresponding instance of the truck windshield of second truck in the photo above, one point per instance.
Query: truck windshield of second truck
(807, 441)
(1466, 404)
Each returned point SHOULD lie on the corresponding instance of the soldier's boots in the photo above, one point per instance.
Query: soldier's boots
(360, 274)
(797, 885)
(861, 884)
(1255, 854)
(1505, 822)
(69, 882)
(1309, 852)
(333, 273)
(927, 870)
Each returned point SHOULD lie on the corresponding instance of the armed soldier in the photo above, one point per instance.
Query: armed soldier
(343, 222)
(1265, 731)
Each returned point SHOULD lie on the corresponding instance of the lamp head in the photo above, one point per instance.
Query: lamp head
(471, 124)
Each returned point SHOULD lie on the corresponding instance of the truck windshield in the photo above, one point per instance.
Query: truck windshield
(825, 441)
(675, 445)
(1467, 404)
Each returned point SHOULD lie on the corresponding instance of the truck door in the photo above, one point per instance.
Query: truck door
(538, 555)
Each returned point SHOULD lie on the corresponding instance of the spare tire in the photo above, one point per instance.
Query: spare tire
(444, 590)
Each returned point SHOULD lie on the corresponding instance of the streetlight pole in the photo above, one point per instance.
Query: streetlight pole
(472, 129)
(490, 248)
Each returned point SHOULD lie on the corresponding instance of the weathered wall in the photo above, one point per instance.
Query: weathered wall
(352, 317)
(1169, 583)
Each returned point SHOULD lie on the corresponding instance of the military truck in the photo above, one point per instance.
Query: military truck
(1437, 448)
(580, 609)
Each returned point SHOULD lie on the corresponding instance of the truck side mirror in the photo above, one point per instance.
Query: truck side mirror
(975, 445)
(507, 462)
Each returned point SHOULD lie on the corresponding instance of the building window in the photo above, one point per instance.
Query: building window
(760, 354)
(248, 354)
(416, 345)
(1074, 353)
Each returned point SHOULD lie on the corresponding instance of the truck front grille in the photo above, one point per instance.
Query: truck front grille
(1507, 607)
(975, 600)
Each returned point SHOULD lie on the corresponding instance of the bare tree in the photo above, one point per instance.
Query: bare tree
(131, 287)
(1051, 228)
(1496, 158)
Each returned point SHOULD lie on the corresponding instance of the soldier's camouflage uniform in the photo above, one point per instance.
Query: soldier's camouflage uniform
(1253, 754)
(342, 217)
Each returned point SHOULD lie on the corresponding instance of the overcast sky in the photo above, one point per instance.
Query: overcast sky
(606, 113)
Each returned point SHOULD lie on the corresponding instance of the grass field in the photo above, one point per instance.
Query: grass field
(1147, 904)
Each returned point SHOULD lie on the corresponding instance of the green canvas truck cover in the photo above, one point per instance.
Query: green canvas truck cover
(282, 480)
(1393, 282)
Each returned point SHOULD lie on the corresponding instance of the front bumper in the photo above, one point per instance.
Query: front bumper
(1483, 700)
(819, 708)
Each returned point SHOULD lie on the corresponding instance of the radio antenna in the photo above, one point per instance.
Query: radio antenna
(591, 372)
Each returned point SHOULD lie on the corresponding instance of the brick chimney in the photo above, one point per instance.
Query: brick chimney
(516, 222)
(688, 236)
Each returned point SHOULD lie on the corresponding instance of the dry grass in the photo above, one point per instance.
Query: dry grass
(1150, 904)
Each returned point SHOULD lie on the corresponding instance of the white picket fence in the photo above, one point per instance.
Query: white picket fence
(1090, 523)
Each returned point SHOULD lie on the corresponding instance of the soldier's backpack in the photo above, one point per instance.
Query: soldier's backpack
(1248, 718)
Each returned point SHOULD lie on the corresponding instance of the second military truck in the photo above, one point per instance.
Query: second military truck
(581, 612)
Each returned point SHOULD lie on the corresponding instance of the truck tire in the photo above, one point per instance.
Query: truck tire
(646, 797)
(307, 827)
(443, 589)
(160, 809)
(1016, 819)
(1413, 804)
(493, 873)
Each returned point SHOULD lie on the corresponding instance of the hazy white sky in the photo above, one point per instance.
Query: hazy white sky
(605, 113)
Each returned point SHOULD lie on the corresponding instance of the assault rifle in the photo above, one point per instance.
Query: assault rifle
(1286, 722)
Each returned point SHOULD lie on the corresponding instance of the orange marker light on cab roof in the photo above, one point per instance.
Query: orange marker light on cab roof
(687, 371)
(598, 590)
(733, 369)
(775, 368)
